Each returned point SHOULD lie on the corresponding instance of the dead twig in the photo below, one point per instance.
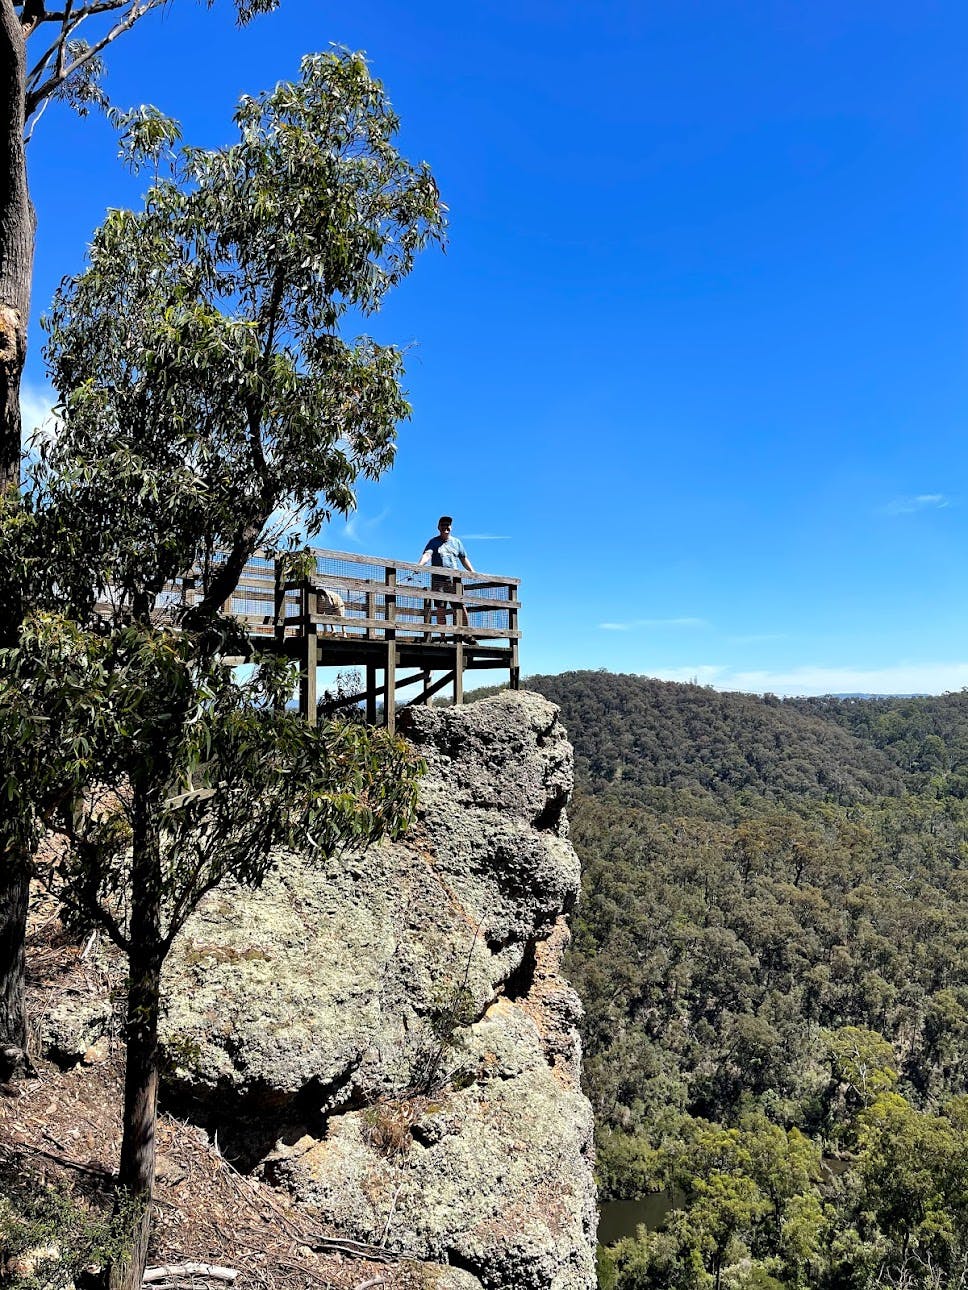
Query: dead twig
(210, 1270)
(359, 1249)
(94, 1171)
(393, 1205)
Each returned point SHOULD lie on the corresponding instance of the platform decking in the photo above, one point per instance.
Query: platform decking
(386, 625)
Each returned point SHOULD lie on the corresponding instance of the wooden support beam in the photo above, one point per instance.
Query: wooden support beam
(400, 683)
(389, 702)
(459, 672)
(431, 690)
(371, 693)
(307, 678)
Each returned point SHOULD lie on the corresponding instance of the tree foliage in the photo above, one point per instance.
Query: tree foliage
(209, 402)
(200, 357)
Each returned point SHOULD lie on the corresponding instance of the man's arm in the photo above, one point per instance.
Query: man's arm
(424, 559)
(466, 563)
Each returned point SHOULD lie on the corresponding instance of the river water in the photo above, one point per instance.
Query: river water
(620, 1218)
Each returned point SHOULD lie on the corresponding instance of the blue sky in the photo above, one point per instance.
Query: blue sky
(694, 363)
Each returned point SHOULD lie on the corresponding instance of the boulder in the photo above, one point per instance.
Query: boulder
(392, 1026)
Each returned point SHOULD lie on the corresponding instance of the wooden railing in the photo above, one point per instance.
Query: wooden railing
(381, 600)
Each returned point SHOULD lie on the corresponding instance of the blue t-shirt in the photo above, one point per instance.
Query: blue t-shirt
(446, 552)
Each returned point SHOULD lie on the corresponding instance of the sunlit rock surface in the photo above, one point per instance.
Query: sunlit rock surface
(387, 1035)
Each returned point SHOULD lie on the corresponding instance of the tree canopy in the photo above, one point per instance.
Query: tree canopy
(210, 406)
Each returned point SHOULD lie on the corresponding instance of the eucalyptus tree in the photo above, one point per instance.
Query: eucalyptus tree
(46, 53)
(207, 390)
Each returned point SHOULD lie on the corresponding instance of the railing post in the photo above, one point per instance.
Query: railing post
(515, 677)
(390, 602)
(390, 632)
(279, 604)
(307, 672)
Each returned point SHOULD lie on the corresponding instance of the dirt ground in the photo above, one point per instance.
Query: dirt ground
(62, 1127)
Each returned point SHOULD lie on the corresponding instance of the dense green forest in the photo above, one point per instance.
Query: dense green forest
(772, 950)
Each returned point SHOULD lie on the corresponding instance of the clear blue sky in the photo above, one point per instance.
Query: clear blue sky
(694, 364)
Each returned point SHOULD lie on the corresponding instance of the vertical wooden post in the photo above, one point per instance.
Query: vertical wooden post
(426, 685)
(307, 675)
(458, 609)
(390, 694)
(390, 600)
(428, 611)
(515, 678)
(279, 605)
(459, 672)
(371, 692)
(390, 632)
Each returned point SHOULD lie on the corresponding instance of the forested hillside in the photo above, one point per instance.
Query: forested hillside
(771, 949)
(688, 748)
(926, 736)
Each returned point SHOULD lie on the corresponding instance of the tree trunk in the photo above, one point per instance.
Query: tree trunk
(16, 240)
(14, 890)
(136, 1173)
(16, 268)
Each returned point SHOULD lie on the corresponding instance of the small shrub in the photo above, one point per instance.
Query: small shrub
(48, 1234)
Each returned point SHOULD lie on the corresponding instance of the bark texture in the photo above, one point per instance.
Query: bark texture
(16, 239)
(14, 889)
(136, 1172)
(16, 267)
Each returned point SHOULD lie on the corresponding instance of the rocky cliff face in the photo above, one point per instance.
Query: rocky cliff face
(387, 1036)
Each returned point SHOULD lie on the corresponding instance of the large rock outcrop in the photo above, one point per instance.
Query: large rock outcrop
(387, 1035)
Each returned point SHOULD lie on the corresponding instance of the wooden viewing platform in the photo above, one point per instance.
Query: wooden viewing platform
(387, 625)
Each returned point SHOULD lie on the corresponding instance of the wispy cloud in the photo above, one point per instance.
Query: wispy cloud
(358, 528)
(920, 502)
(645, 624)
(898, 678)
(37, 409)
(487, 537)
(757, 638)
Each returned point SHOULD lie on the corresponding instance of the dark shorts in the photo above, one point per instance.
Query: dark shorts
(440, 583)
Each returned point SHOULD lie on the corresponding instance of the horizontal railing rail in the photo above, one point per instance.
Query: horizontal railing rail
(360, 597)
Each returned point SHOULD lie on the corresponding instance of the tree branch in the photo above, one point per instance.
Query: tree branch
(138, 10)
(62, 15)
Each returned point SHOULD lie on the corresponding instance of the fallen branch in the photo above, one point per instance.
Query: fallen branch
(359, 1250)
(373, 1281)
(96, 1171)
(175, 1285)
(169, 1270)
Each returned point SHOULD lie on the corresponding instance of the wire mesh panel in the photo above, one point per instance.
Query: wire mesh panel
(254, 599)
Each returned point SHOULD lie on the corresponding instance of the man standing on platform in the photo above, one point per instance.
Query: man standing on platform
(446, 552)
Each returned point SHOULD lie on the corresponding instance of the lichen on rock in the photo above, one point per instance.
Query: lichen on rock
(393, 1025)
